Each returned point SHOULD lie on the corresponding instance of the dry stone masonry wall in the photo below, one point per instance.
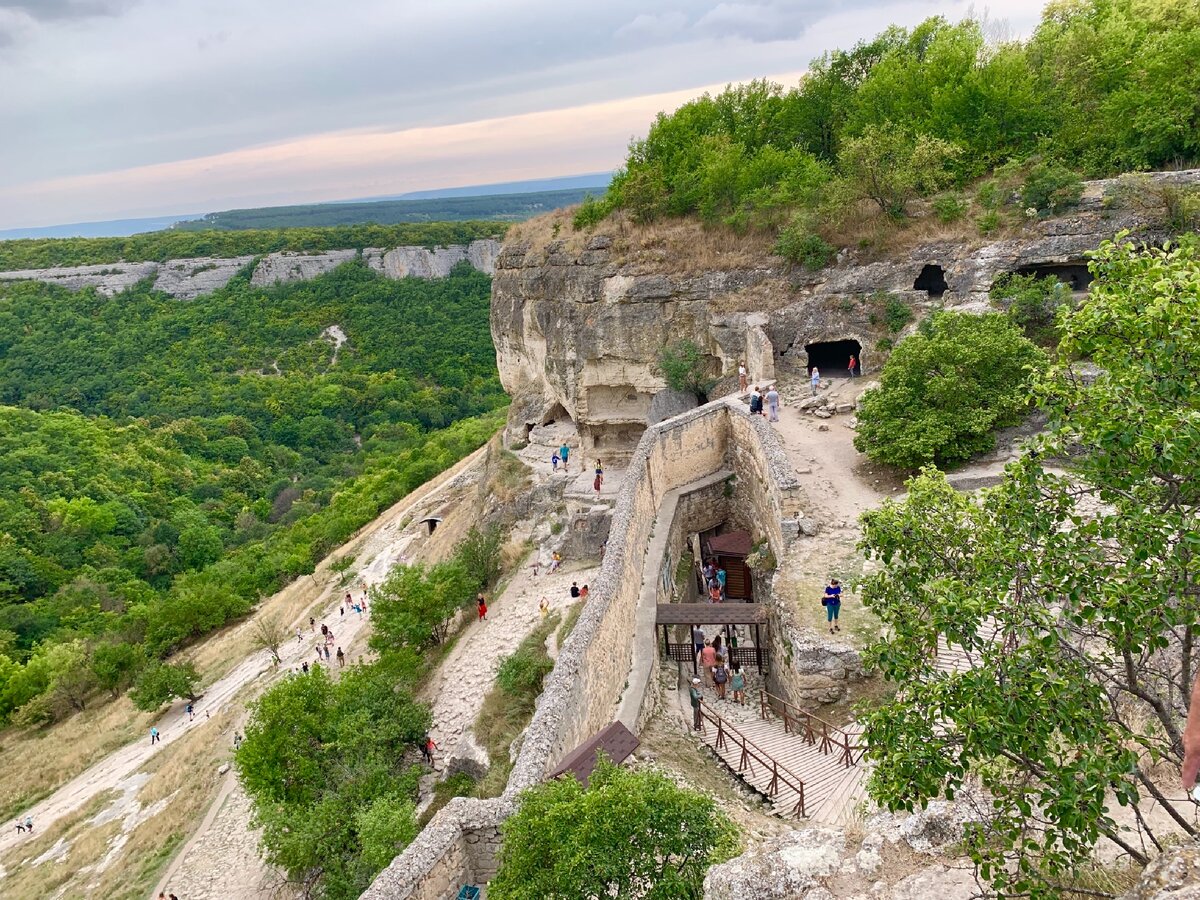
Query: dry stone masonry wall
(592, 675)
(186, 279)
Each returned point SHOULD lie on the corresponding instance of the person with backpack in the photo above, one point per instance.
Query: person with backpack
(720, 677)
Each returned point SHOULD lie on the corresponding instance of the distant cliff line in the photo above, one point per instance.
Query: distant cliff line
(186, 279)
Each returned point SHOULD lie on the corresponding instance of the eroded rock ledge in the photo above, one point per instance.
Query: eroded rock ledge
(186, 279)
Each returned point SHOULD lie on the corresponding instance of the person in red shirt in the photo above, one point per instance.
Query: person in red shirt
(482, 604)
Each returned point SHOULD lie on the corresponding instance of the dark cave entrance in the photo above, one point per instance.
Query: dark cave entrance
(833, 357)
(932, 280)
(1075, 275)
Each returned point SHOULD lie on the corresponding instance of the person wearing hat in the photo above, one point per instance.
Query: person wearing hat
(695, 697)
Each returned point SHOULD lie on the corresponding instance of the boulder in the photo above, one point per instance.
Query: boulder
(823, 413)
(468, 756)
(668, 403)
(844, 407)
(1175, 875)
(784, 867)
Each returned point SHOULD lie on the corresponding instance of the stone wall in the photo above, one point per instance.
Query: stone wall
(603, 667)
(186, 279)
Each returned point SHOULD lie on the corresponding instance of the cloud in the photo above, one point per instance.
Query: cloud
(653, 27)
(755, 21)
(49, 10)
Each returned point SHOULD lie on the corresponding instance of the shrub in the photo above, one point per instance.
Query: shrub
(896, 314)
(686, 369)
(1175, 207)
(522, 671)
(1050, 187)
(801, 245)
(627, 834)
(479, 554)
(591, 212)
(950, 207)
(1033, 303)
(988, 222)
(990, 195)
(884, 345)
(944, 389)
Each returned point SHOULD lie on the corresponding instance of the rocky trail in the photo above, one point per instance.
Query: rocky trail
(221, 857)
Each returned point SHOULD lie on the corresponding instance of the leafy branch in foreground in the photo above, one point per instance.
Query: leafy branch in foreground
(1075, 595)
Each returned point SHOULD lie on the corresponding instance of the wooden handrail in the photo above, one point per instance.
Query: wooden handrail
(811, 727)
(751, 751)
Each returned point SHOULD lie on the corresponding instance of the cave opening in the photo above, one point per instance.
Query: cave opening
(832, 358)
(932, 280)
(1075, 275)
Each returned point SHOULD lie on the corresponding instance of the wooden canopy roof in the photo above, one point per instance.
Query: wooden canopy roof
(711, 614)
(615, 740)
(732, 543)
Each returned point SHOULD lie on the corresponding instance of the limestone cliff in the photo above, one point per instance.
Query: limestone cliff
(578, 320)
(186, 279)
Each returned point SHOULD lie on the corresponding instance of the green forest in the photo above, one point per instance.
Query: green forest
(159, 246)
(166, 464)
(1101, 87)
(505, 207)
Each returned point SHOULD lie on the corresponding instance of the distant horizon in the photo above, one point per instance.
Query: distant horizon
(126, 227)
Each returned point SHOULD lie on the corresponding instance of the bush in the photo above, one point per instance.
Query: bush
(686, 369)
(950, 207)
(800, 245)
(896, 314)
(591, 212)
(522, 671)
(988, 222)
(944, 389)
(891, 165)
(479, 554)
(1175, 207)
(1051, 187)
(627, 834)
(1033, 303)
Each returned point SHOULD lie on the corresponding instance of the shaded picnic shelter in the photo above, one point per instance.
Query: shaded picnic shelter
(709, 614)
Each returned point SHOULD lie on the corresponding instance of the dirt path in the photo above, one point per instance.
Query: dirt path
(457, 689)
(376, 548)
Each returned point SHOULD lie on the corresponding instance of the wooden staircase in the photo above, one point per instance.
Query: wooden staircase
(802, 765)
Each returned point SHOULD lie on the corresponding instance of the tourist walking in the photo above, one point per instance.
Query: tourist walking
(853, 365)
(721, 576)
(697, 638)
(312, 624)
(481, 603)
(755, 402)
(720, 676)
(833, 604)
(772, 404)
(815, 381)
(191, 711)
(564, 453)
(304, 667)
(737, 683)
(154, 738)
(341, 658)
(596, 485)
(694, 695)
(326, 653)
(20, 827)
(707, 658)
(29, 824)
(742, 377)
(299, 637)
(427, 748)
(554, 464)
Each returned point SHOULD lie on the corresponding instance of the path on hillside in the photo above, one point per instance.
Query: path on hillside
(376, 548)
(457, 689)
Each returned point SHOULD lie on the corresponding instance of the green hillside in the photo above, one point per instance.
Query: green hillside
(165, 464)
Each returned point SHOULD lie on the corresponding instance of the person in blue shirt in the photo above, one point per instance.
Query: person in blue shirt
(721, 576)
(833, 604)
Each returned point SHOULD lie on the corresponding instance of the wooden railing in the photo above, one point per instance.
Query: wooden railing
(813, 729)
(751, 753)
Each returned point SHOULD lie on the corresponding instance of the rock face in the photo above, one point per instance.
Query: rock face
(1173, 876)
(785, 867)
(186, 279)
(578, 323)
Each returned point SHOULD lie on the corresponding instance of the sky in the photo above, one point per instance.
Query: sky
(124, 108)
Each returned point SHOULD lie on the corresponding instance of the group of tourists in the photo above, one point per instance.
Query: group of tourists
(711, 663)
(563, 455)
(26, 826)
(771, 400)
(715, 577)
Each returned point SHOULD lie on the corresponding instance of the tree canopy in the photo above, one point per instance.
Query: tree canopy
(629, 834)
(1075, 593)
